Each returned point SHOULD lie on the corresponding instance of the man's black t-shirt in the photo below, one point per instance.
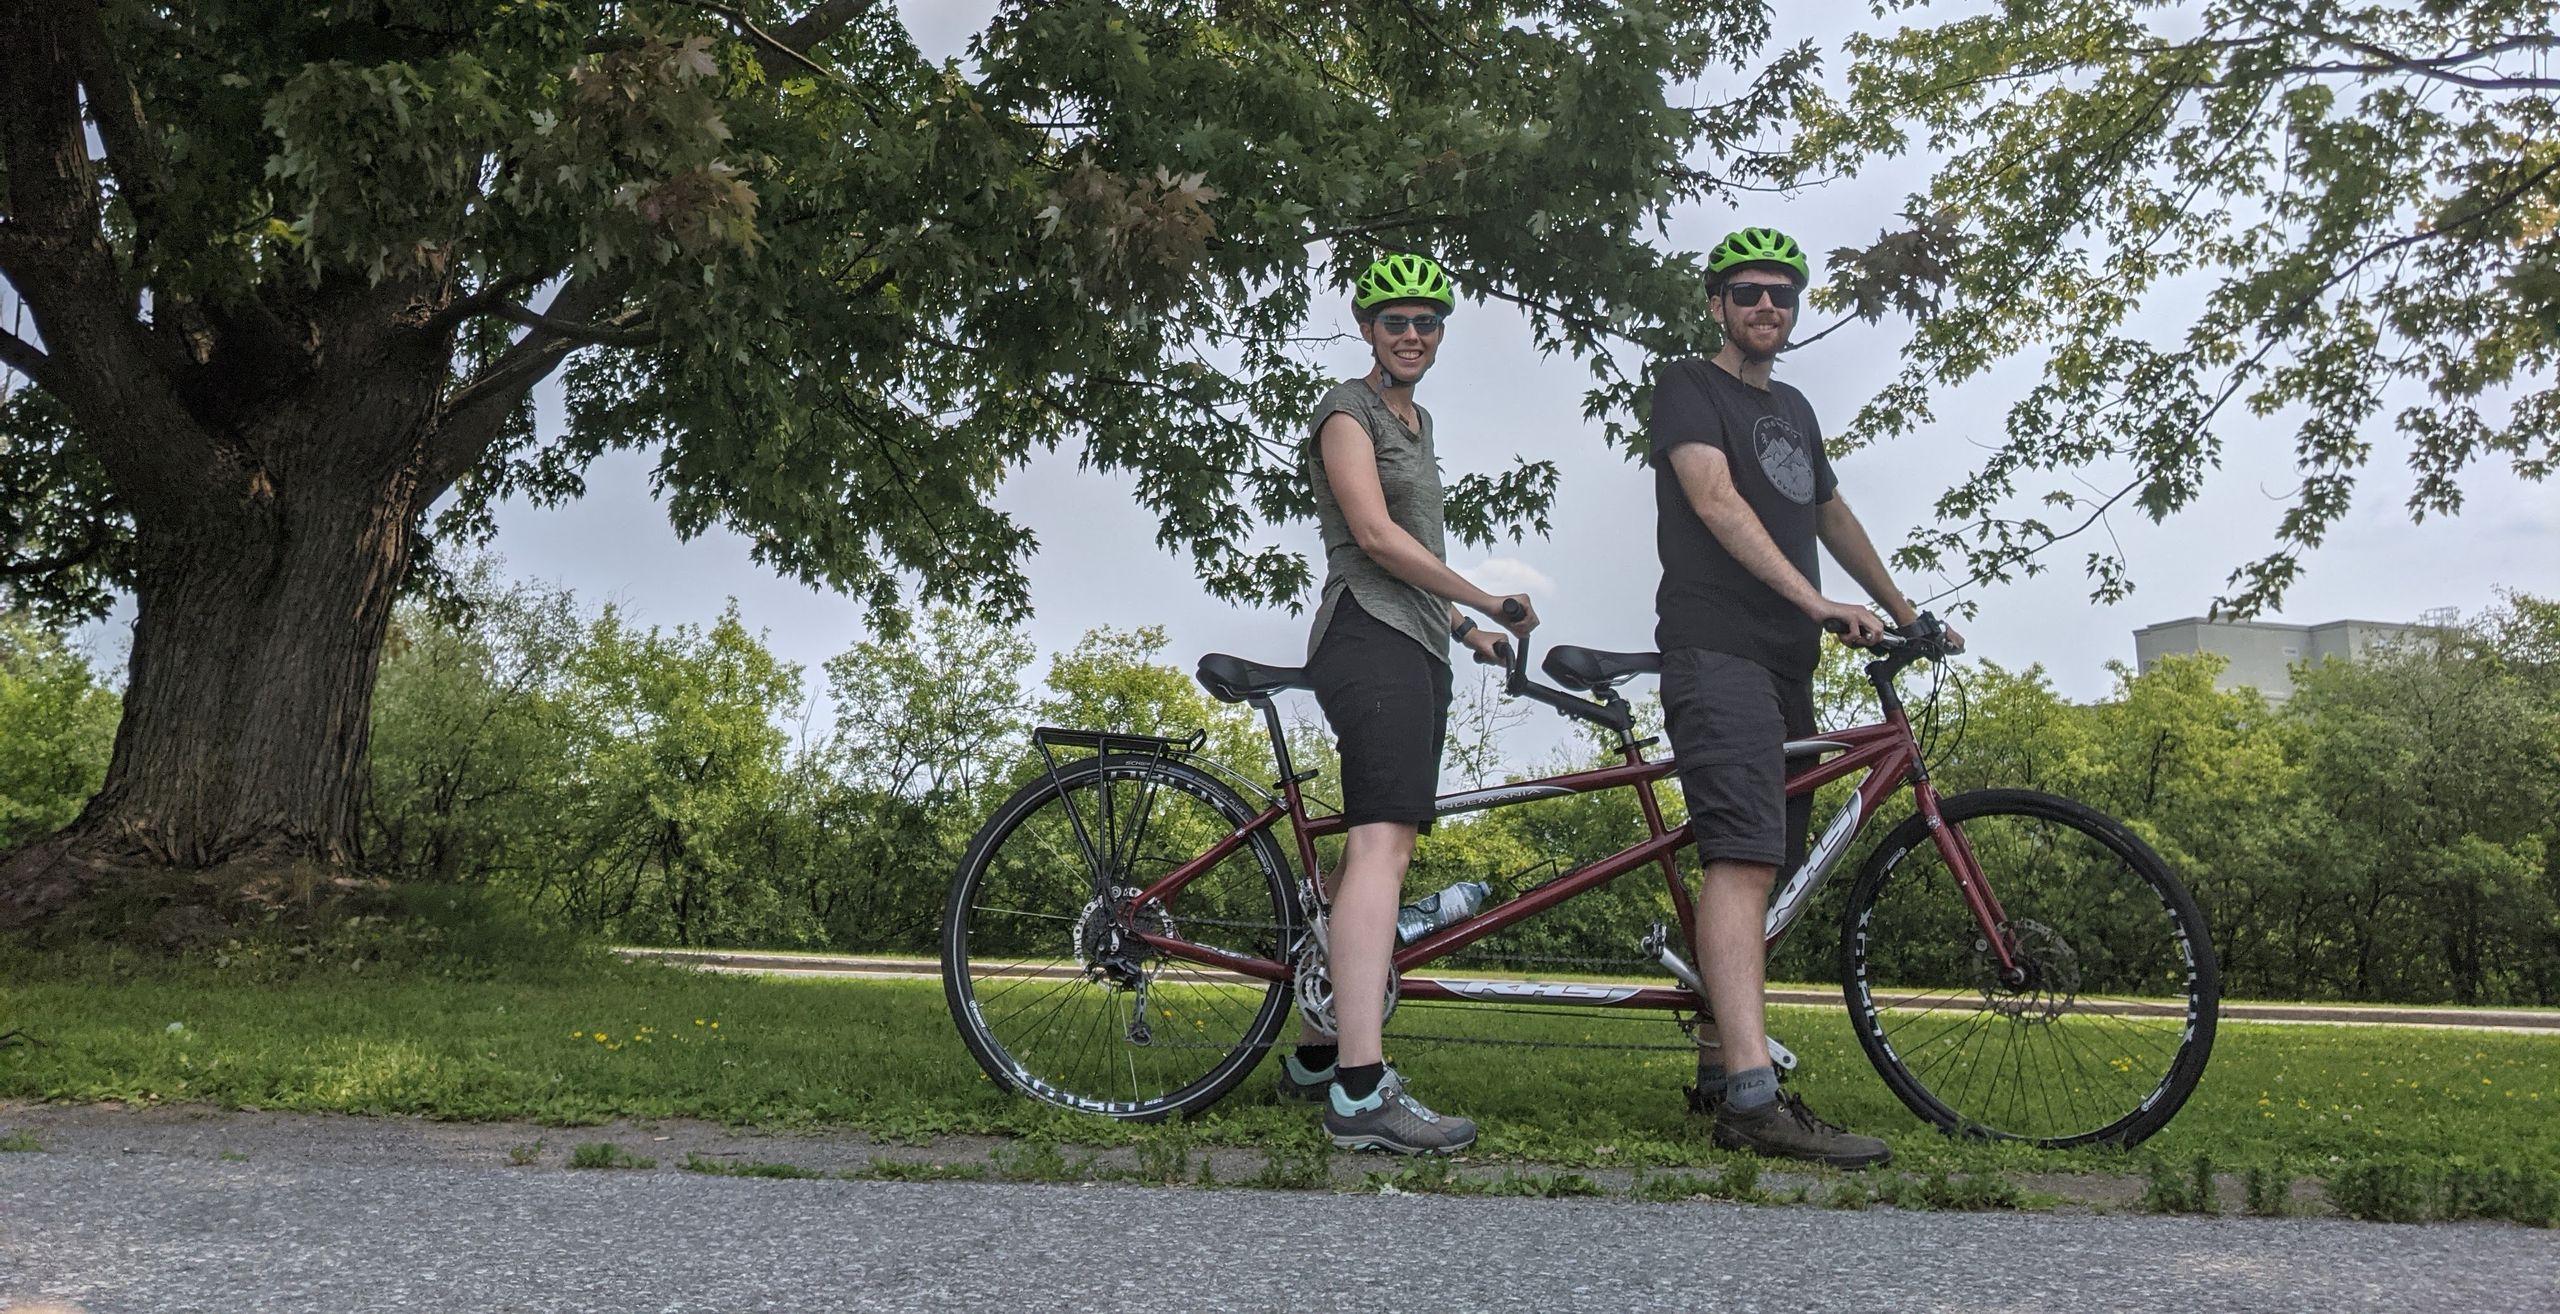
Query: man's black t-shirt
(1774, 449)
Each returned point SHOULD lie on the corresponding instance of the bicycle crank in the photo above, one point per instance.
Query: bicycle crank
(1657, 946)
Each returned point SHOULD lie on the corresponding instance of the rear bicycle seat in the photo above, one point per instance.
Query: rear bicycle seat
(1589, 670)
(1235, 680)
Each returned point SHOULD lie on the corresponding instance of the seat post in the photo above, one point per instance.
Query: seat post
(1279, 741)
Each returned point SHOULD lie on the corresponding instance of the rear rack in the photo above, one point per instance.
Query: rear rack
(1156, 748)
(1110, 741)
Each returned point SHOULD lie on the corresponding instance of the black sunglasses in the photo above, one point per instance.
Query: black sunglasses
(1395, 325)
(1781, 295)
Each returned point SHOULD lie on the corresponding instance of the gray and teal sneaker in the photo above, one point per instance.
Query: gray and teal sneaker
(1303, 1083)
(1394, 1121)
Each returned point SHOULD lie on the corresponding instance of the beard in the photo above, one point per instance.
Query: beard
(1744, 340)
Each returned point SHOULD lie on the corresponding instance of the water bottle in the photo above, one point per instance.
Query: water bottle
(1431, 912)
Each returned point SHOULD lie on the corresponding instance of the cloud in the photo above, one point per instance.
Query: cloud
(1508, 575)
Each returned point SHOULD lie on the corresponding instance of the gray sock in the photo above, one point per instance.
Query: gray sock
(1711, 1080)
(1751, 1087)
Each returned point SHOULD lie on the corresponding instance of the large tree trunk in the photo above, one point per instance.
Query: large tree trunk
(260, 623)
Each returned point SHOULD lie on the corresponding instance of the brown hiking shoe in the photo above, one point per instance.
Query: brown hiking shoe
(1786, 1129)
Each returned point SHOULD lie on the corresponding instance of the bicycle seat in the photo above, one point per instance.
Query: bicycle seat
(1235, 680)
(1590, 670)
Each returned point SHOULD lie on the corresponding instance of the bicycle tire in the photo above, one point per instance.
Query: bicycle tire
(2108, 1035)
(1072, 1027)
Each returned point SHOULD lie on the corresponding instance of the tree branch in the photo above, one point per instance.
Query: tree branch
(609, 334)
(21, 355)
(2387, 60)
(822, 21)
(133, 154)
(474, 413)
(778, 53)
(96, 541)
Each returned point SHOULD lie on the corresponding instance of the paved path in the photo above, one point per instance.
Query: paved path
(351, 1216)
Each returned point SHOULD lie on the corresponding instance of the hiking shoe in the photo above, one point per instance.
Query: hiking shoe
(1303, 1083)
(1786, 1129)
(1394, 1121)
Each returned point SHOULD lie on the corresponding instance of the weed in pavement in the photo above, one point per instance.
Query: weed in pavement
(2267, 1192)
(606, 1154)
(696, 1163)
(912, 1170)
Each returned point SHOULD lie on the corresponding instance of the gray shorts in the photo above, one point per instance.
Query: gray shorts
(1729, 719)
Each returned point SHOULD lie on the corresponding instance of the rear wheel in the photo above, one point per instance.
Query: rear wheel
(1052, 994)
(2099, 1034)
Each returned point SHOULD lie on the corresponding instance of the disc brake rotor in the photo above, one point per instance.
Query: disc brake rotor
(2049, 974)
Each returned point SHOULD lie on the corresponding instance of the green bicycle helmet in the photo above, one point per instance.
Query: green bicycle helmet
(1758, 246)
(1402, 278)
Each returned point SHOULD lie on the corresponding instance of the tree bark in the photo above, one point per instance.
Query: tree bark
(248, 703)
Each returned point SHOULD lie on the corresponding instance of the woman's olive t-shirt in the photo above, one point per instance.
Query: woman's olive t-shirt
(1409, 475)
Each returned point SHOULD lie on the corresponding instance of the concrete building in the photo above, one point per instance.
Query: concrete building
(2261, 654)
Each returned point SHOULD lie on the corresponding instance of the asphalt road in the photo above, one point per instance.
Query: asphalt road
(390, 1216)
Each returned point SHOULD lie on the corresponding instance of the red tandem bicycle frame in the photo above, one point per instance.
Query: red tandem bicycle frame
(1886, 751)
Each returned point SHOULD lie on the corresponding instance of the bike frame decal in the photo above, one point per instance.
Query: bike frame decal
(1566, 991)
(1477, 799)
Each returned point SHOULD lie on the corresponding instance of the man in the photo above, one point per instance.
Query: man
(1743, 492)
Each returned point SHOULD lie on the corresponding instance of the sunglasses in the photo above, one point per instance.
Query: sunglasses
(1781, 295)
(1395, 325)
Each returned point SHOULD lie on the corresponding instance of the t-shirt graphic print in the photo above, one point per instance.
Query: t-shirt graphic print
(1783, 458)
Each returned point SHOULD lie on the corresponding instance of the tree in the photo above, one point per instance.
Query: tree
(2349, 207)
(2437, 765)
(293, 273)
(55, 724)
(908, 773)
(472, 737)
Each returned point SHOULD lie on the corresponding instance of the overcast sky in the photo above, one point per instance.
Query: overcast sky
(1494, 398)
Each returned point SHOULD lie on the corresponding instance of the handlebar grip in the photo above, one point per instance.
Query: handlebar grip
(1836, 625)
(1502, 652)
(1513, 612)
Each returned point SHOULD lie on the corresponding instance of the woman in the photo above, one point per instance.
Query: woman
(1378, 658)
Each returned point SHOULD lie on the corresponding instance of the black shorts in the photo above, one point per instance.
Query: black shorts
(1729, 719)
(1388, 703)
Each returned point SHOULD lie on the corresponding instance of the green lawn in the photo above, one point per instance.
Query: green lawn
(642, 1040)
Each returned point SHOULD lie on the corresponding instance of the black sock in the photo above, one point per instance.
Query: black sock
(1361, 1081)
(1316, 1058)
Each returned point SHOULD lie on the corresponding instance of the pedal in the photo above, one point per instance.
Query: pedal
(1781, 1057)
(1657, 946)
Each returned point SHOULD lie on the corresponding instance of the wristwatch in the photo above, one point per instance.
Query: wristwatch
(1466, 625)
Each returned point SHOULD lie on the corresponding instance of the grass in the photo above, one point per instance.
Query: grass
(606, 1154)
(20, 1142)
(2391, 1122)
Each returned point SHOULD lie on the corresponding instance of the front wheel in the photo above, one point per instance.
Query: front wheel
(1051, 993)
(2097, 1031)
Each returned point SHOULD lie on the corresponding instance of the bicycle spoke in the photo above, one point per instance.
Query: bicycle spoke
(2067, 1034)
(1055, 1019)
